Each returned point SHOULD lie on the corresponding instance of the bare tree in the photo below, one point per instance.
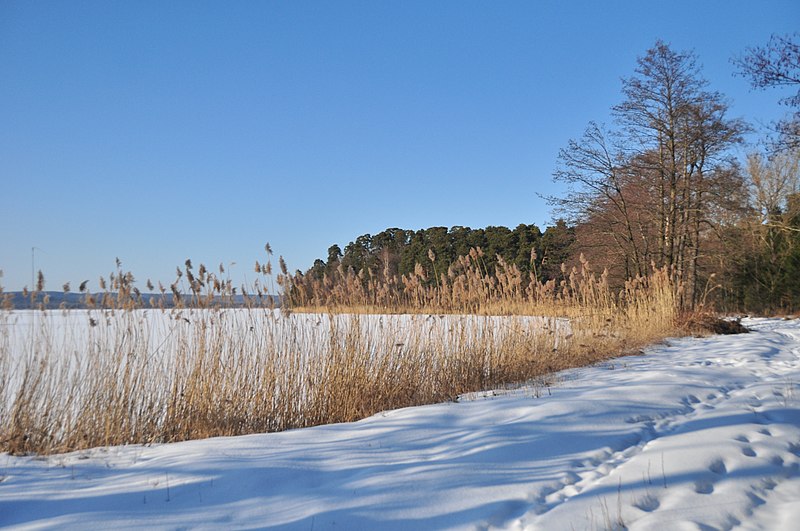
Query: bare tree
(596, 175)
(777, 65)
(656, 192)
(774, 181)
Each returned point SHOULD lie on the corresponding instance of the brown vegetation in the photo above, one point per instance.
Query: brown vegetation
(125, 374)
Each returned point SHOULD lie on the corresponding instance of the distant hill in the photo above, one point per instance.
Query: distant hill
(75, 301)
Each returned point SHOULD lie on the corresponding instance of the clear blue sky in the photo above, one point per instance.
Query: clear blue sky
(160, 131)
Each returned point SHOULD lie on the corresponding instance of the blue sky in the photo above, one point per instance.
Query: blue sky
(160, 131)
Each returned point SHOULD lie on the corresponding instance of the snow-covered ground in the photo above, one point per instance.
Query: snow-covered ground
(697, 434)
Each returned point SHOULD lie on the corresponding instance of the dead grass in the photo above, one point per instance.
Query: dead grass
(122, 373)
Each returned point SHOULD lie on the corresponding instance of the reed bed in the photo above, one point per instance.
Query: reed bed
(467, 287)
(126, 371)
(642, 309)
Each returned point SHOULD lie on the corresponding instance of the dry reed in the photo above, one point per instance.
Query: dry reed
(132, 369)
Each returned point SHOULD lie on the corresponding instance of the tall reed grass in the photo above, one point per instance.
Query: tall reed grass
(644, 306)
(125, 371)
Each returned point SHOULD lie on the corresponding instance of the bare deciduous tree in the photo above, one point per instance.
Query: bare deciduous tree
(777, 65)
(655, 194)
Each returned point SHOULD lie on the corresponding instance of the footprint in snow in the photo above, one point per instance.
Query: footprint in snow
(755, 500)
(718, 467)
(703, 487)
(754, 402)
(571, 478)
(648, 503)
(794, 449)
(768, 484)
(748, 451)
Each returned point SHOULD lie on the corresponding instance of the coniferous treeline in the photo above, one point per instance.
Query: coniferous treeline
(396, 252)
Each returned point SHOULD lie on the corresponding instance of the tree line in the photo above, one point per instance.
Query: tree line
(659, 187)
(396, 252)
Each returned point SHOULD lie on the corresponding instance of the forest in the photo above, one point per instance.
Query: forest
(660, 188)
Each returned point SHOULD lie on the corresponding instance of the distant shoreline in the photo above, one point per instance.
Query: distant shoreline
(58, 300)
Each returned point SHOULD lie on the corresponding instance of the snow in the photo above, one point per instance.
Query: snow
(694, 434)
